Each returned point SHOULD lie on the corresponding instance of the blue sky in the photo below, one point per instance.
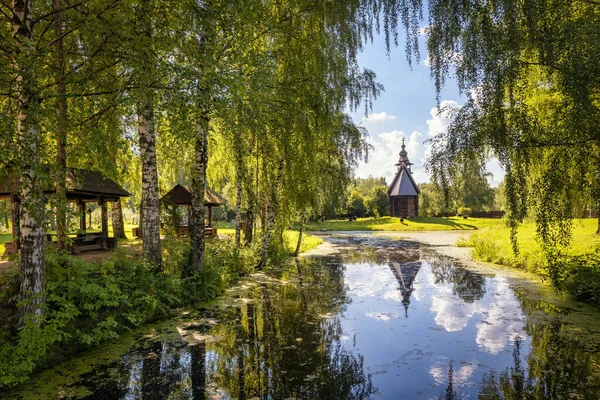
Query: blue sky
(406, 109)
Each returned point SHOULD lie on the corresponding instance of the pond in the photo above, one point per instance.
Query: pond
(378, 318)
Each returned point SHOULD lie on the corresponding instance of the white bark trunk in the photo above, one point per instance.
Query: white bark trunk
(197, 207)
(28, 138)
(299, 244)
(150, 218)
(269, 224)
(238, 196)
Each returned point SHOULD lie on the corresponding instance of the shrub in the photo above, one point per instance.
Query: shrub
(87, 304)
(580, 276)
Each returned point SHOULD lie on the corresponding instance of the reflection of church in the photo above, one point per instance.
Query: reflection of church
(405, 274)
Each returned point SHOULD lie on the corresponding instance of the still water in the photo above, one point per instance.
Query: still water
(379, 319)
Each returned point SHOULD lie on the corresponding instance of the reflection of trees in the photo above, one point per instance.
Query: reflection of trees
(285, 343)
(468, 285)
(557, 369)
(450, 393)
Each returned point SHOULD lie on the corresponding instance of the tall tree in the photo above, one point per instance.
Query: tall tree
(147, 79)
(26, 88)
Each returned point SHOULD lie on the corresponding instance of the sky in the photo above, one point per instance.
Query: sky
(407, 109)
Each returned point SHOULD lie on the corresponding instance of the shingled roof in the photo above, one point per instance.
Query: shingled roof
(403, 184)
(181, 195)
(82, 184)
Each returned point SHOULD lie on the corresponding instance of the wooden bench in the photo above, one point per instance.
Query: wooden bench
(90, 242)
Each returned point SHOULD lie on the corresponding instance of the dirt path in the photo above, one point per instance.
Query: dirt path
(441, 241)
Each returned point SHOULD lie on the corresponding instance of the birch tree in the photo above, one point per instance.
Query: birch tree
(26, 89)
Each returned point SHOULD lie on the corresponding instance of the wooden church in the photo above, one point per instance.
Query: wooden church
(404, 192)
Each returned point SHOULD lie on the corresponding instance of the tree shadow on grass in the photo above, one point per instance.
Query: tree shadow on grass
(443, 221)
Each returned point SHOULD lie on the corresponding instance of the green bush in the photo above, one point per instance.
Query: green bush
(87, 304)
(580, 276)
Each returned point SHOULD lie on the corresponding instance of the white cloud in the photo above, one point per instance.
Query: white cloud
(424, 30)
(387, 145)
(379, 117)
(441, 117)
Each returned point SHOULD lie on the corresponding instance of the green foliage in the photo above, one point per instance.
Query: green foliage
(377, 202)
(578, 275)
(531, 70)
(356, 205)
(87, 304)
(431, 200)
(575, 271)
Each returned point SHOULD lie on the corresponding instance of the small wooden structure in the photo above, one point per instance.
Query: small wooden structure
(403, 193)
(83, 186)
(181, 196)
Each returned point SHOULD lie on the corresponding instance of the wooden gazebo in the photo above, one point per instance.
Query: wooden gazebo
(83, 186)
(403, 193)
(180, 195)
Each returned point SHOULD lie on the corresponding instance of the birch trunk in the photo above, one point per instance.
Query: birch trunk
(28, 139)
(269, 224)
(150, 217)
(267, 235)
(299, 244)
(249, 216)
(61, 131)
(238, 195)
(116, 212)
(249, 226)
(197, 207)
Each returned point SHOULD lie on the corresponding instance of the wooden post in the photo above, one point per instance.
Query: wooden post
(103, 217)
(82, 212)
(210, 216)
(15, 214)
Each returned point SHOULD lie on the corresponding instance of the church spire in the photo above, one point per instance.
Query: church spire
(404, 158)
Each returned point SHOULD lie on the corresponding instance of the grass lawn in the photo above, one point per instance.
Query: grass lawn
(493, 245)
(413, 224)
(290, 237)
(4, 237)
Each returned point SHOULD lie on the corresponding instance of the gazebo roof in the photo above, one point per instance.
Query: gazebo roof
(181, 196)
(82, 184)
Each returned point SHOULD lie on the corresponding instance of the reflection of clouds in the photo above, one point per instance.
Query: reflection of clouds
(368, 280)
(460, 376)
(451, 313)
(503, 320)
(382, 316)
(501, 314)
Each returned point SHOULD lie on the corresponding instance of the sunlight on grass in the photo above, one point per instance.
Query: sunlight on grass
(412, 224)
(493, 245)
(290, 238)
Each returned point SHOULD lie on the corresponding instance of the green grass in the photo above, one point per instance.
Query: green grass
(290, 238)
(309, 242)
(493, 244)
(412, 224)
(4, 237)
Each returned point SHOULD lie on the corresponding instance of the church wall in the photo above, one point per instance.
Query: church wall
(404, 206)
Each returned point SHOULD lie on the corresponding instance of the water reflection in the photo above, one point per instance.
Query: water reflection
(405, 274)
(281, 340)
(338, 328)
